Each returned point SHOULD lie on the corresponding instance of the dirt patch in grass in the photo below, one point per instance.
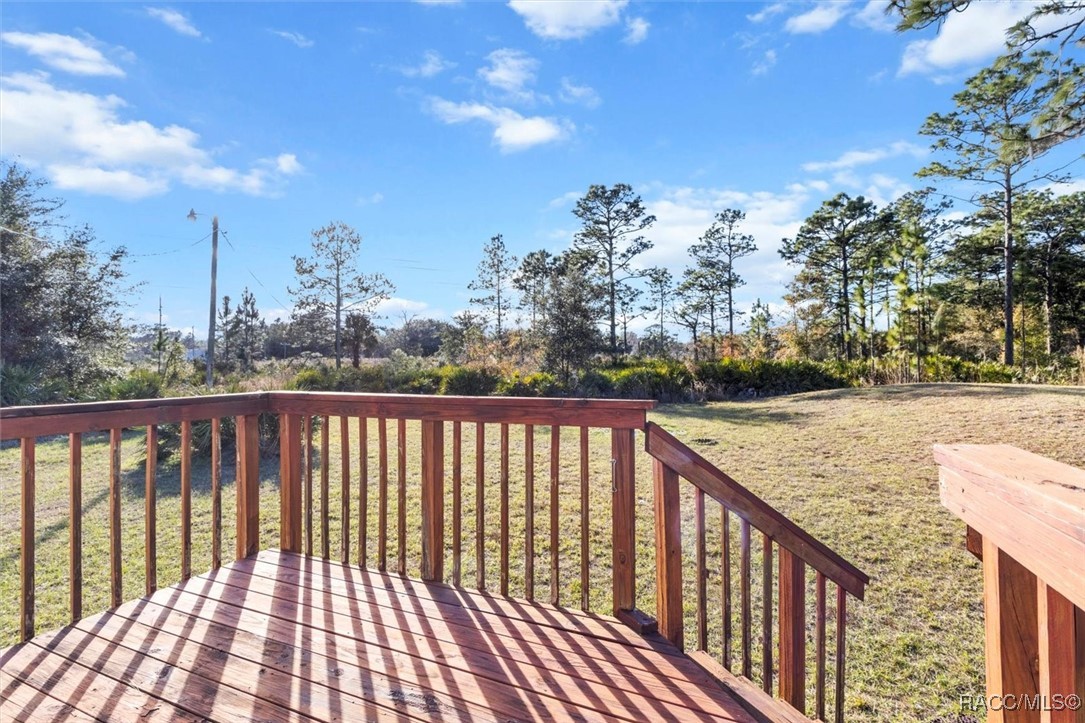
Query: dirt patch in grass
(853, 467)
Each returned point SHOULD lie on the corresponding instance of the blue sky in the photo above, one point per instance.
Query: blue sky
(432, 126)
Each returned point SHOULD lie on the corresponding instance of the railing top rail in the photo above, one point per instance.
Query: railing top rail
(666, 448)
(610, 413)
(1030, 506)
(42, 420)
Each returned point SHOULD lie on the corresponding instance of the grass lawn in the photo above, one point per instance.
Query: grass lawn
(853, 467)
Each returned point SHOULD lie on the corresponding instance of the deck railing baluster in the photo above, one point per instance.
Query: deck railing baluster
(325, 490)
(186, 498)
(363, 489)
(702, 570)
(457, 501)
(480, 506)
(401, 501)
(116, 585)
(344, 502)
(555, 511)
(585, 560)
(382, 507)
(504, 544)
(75, 531)
(216, 493)
(529, 512)
(26, 551)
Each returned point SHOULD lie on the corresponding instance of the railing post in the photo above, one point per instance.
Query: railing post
(1010, 612)
(26, 567)
(792, 629)
(290, 482)
(668, 552)
(433, 500)
(624, 530)
(248, 484)
(1060, 636)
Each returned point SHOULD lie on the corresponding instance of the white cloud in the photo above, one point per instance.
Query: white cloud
(565, 199)
(584, 94)
(820, 18)
(296, 38)
(883, 189)
(116, 183)
(510, 70)
(85, 144)
(1065, 188)
(432, 64)
(971, 37)
(371, 200)
(512, 131)
(765, 64)
(63, 52)
(851, 159)
(396, 307)
(767, 12)
(874, 17)
(438, 2)
(287, 164)
(684, 213)
(636, 30)
(174, 20)
(568, 19)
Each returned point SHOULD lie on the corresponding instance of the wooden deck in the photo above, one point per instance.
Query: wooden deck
(280, 636)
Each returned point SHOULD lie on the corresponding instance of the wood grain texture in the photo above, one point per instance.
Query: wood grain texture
(668, 531)
(819, 646)
(725, 585)
(624, 540)
(27, 493)
(480, 506)
(363, 491)
(701, 571)
(401, 496)
(290, 511)
(216, 493)
(186, 501)
(382, 507)
(504, 504)
(745, 602)
(792, 622)
(325, 490)
(344, 500)
(433, 500)
(283, 637)
(116, 580)
(555, 513)
(307, 470)
(585, 511)
(1011, 630)
(457, 503)
(248, 485)
(529, 512)
(841, 652)
(766, 613)
(1057, 653)
(75, 529)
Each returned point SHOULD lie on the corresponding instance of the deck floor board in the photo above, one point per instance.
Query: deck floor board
(285, 637)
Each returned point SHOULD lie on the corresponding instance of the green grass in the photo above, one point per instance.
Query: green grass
(853, 467)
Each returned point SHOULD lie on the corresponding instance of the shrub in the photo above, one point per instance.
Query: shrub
(468, 381)
(139, 384)
(539, 384)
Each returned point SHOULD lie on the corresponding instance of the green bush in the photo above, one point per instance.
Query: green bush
(539, 384)
(139, 384)
(666, 381)
(22, 384)
(468, 381)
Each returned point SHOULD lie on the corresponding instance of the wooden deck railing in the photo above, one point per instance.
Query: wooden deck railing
(1025, 518)
(795, 550)
(392, 443)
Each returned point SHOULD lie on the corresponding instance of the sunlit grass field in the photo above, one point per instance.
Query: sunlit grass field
(853, 467)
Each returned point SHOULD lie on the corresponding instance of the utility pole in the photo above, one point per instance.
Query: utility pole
(214, 278)
(210, 356)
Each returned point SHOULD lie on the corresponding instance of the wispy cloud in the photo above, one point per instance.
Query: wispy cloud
(636, 30)
(63, 52)
(512, 132)
(874, 17)
(820, 18)
(767, 12)
(583, 94)
(175, 20)
(296, 38)
(432, 64)
(765, 64)
(510, 70)
(852, 159)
